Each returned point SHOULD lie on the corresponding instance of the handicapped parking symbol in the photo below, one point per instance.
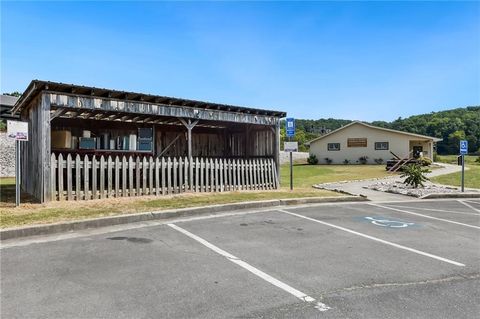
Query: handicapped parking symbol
(388, 223)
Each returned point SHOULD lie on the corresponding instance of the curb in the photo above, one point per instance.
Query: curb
(450, 195)
(37, 230)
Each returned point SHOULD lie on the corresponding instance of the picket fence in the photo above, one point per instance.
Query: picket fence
(90, 177)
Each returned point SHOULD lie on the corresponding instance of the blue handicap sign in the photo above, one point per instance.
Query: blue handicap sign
(290, 127)
(384, 222)
(463, 147)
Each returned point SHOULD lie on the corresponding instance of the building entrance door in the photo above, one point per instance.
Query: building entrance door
(417, 151)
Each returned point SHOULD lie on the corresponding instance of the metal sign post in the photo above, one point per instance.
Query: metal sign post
(290, 132)
(463, 151)
(291, 147)
(17, 173)
(18, 131)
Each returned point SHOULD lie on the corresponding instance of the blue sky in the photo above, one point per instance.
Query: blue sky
(354, 60)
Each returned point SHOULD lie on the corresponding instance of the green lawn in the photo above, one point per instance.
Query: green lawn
(452, 159)
(305, 177)
(472, 177)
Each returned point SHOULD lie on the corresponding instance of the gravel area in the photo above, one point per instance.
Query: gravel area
(397, 187)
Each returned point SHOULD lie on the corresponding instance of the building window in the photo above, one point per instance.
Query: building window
(380, 146)
(333, 146)
(357, 142)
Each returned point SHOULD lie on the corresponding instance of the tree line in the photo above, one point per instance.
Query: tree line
(450, 125)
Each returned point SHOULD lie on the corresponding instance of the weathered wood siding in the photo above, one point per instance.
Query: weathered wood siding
(35, 153)
(88, 177)
(116, 105)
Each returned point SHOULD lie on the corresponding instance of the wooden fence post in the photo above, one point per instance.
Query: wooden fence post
(124, 176)
(117, 176)
(78, 178)
(175, 167)
(60, 177)
(130, 176)
(169, 176)
(137, 176)
(202, 174)
(102, 177)
(69, 177)
(94, 177)
(53, 187)
(157, 176)
(163, 175)
(150, 176)
(109, 176)
(144, 176)
(86, 177)
(197, 163)
(180, 174)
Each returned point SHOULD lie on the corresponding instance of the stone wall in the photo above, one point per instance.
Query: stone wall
(7, 155)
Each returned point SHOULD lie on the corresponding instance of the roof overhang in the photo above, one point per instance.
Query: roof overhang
(37, 86)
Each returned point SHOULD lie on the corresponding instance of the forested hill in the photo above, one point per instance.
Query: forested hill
(451, 125)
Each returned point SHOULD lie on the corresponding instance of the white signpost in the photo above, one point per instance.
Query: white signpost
(19, 131)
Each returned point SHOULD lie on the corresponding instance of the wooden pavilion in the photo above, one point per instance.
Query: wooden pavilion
(89, 143)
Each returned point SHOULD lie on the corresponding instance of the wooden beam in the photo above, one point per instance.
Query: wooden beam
(57, 113)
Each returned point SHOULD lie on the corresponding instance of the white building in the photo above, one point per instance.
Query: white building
(356, 140)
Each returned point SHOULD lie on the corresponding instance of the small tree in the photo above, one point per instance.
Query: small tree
(312, 159)
(415, 175)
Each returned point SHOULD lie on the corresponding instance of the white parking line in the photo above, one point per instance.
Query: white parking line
(468, 205)
(426, 216)
(300, 295)
(433, 210)
(375, 239)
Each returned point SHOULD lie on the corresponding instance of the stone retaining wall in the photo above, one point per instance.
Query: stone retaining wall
(7, 156)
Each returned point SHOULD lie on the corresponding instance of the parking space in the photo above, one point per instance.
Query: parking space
(354, 260)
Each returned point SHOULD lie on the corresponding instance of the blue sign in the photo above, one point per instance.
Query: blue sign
(383, 222)
(463, 147)
(290, 127)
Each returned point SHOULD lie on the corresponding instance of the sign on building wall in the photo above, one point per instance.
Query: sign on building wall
(17, 130)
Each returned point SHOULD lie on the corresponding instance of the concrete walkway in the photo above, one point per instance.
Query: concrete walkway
(356, 187)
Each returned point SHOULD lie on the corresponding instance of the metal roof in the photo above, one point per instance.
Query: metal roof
(37, 86)
(6, 104)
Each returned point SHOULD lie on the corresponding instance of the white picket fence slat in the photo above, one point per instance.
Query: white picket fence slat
(99, 177)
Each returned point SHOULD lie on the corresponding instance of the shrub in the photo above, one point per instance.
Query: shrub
(415, 175)
(424, 161)
(328, 160)
(379, 161)
(363, 160)
(477, 160)
(312, 159)
(346, 161)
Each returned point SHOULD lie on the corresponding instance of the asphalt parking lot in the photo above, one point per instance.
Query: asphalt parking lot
(411, 259)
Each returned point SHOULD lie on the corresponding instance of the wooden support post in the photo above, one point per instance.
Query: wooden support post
(189, 125)
(276, 150)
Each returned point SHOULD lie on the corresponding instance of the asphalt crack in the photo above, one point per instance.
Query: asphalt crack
(404, 284)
